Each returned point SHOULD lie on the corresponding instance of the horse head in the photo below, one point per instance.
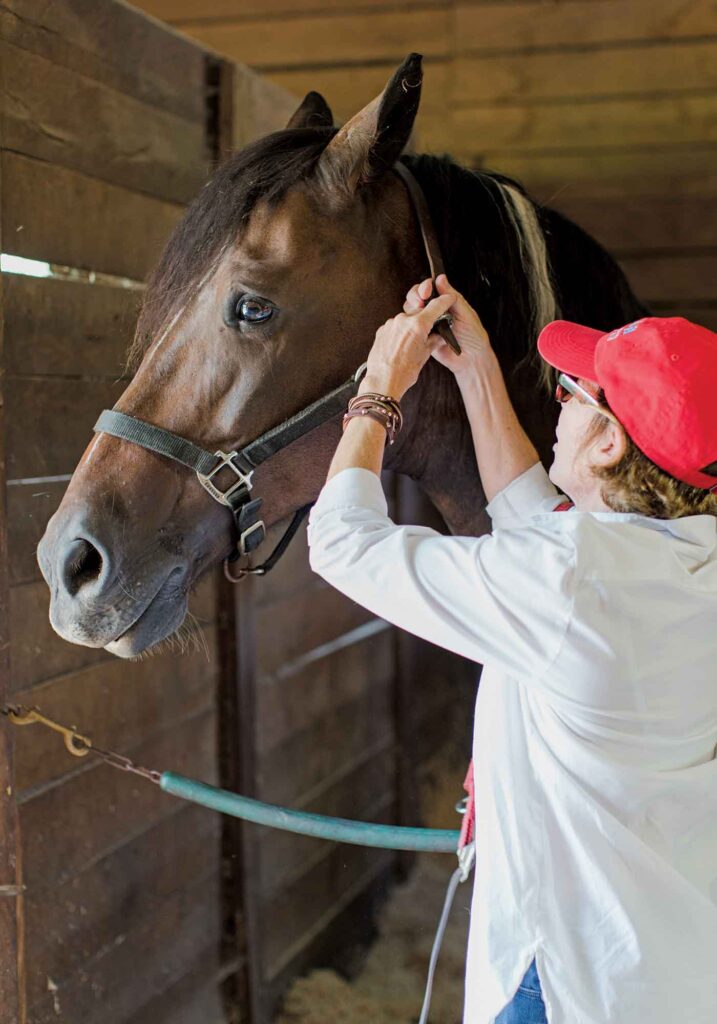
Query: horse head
(267, 296)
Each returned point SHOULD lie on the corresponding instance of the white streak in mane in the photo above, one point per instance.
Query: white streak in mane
(534, 254)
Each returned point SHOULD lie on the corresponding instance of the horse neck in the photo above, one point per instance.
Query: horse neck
(435, 448)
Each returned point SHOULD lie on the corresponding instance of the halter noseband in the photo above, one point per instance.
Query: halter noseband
(250, 528)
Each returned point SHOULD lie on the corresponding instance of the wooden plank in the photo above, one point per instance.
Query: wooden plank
(166, 69)
(69, 827)
(54, 214)
(670, 68)
(68, 924)
(67, 328)
(317, 39)
(36, 407)
(286, 705)
(630, 224)
(283, 856)
(298, 913)
(304, 625)
(483, 27)
(116, 705)
(592, 125)
(260, 106)
(358, 725)
(673, 279)
(12, 981)
(130, 144)
(162, 944)
(185, 12)
(38, 653)
(629, 168)
(196, 997)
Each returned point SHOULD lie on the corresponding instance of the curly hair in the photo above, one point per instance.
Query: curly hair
(636, 484)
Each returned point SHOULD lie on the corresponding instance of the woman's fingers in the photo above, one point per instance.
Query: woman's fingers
(418, 295)
(433, 309)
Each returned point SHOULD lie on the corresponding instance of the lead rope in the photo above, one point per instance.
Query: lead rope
(466, 859)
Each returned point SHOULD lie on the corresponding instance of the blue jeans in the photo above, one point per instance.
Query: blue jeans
(526, 1006)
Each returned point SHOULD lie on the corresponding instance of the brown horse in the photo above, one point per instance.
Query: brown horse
(267, 296)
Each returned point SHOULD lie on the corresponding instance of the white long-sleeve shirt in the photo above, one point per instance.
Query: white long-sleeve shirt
(595, 736)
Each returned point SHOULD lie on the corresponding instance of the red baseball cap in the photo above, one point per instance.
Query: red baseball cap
(659, 375)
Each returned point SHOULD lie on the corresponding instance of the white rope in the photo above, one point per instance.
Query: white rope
(466, 857)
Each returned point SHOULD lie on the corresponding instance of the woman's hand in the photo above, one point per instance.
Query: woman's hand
(402, 347)
(467, 327)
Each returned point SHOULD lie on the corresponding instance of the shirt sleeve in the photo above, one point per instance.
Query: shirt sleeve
(504, 598)
(527, 495)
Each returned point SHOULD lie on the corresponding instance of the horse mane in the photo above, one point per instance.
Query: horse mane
(519, 264)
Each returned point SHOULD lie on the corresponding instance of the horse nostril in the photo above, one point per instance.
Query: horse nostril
(82, 565)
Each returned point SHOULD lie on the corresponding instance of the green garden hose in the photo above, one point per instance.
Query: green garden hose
(342, 830)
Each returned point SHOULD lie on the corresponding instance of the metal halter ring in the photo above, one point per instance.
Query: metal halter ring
(243, 479)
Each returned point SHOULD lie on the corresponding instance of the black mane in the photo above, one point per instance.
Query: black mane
(485, 262)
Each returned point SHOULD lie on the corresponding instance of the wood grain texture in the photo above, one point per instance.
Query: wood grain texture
(317, 39)
(305, 623)
(187, 12)
(66, 328)
(525, 128)
(65, 217)
(665, 69)
(545, 23)
(118, 706)
(163, 943)
(68, 924)
(71, 826)
(283, 857)
(260, 106)
(37, 653)
(166, 69)
(12, 980)
(48, 109)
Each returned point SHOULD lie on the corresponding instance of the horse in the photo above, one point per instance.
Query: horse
(268, 295)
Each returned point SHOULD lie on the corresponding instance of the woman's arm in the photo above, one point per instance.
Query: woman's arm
(503, 449)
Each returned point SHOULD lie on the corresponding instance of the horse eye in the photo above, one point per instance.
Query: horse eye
(254, 310)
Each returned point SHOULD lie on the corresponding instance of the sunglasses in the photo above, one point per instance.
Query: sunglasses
(567, 387)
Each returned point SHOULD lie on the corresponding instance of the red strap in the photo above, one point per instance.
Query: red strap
(469, 818)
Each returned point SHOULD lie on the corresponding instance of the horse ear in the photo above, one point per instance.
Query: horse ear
(314, 112)
(370, 143)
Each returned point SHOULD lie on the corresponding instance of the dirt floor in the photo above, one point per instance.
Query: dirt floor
(389, 987)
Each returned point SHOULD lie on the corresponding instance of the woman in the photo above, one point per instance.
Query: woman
(595, 891)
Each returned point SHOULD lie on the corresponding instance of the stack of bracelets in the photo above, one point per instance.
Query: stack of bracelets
(381, 408)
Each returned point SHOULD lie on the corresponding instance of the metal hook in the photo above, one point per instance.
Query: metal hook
(78, 745)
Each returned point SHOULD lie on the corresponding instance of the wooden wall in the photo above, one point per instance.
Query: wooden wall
(121, 900)
(604, 108)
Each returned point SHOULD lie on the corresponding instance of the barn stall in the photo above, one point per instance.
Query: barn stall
(117, 902)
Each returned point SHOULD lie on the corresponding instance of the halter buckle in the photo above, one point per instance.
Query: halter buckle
(243, 479)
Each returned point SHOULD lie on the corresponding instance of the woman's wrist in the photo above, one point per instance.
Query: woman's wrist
(478, 371)
(383, 384)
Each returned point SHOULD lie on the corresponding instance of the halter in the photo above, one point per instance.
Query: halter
(237, 496)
